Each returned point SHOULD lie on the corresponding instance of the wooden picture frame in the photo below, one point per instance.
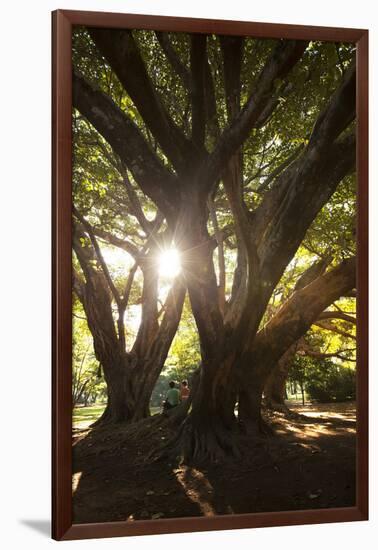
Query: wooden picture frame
(62, 525)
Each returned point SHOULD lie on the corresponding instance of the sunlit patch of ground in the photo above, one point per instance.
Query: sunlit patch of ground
(318, 420)
(345, 411)
(83, 417)
(197, 488)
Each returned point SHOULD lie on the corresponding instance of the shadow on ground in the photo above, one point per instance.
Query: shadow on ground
(309, 463)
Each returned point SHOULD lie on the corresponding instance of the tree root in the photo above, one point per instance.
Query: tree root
(276, 406)
(200, 445)
(265, 427)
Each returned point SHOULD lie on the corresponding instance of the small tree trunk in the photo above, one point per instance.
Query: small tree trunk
(275, 387)
(302, 392)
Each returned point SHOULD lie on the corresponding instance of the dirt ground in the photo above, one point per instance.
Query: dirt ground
(309, 463)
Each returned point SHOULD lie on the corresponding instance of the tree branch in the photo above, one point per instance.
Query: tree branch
(136, 207)
(221, 261)
(337, 115)
(95, 297)
(116, 241)
(126, 140)
(78, 285)
(232, 48)
(313, 272)
(320, 355)
(85, 256)
(337, 315)
(284, 90)
(305, 186)
(211, 103)
(172, 312)
(351, 294)
(198, 61)
(332, 328)
(297, 315)
(277, 171)
(284, 57)
(122, 53)
(104, 267)
(174, 59)
(232, 51)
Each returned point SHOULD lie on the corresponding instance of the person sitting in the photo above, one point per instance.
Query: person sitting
(184, 391)
(172, 398)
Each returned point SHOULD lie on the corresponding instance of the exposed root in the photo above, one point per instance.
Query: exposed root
(200, 445)
(256, 428)
(265, 427)
(276, 406)
(188, 443)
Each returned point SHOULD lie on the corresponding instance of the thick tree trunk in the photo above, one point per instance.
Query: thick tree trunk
(250, 398)
(275, 387)
(206, 432)
(274, 391)
(289, 324)
(121, 407)
(97, 306)
(249, 410)
(130, 376)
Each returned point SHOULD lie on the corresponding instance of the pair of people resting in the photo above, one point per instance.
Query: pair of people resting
(176, 396)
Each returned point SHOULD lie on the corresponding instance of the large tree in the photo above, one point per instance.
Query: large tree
(210, 109)
(131, 366)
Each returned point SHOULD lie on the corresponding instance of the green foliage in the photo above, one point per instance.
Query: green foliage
(185, 356)
(324, 380)
(161, 388)
(88, 385)
(336, 221)
(335, 383)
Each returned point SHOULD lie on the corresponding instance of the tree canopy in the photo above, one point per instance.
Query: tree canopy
(238, 155)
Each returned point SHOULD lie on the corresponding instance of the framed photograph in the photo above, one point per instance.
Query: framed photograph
(210, 184)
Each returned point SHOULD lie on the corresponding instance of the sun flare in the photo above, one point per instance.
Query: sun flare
(169, 263)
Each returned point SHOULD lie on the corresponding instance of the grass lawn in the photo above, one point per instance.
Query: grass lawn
(82, 417)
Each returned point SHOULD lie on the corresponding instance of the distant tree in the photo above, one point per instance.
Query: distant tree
(87, 380)
(339, 384)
